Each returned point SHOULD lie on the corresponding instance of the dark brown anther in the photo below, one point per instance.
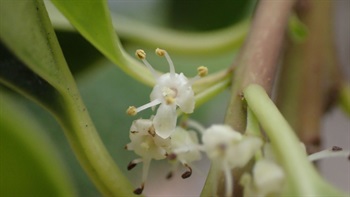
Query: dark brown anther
(139, 190)
(131, 165)
(349, 157)
(171, 156)
(169, 175)
(336, 148)
(188, 173)
(152, 131)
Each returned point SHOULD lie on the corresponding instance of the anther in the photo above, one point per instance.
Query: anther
(152, 131)
(131, 111)
(169, 100)
(139, 190)
(202, 71)
(188, 173)
(131, 165)
(160, 52)
(336, 148)
(171, 156)
(140, 54)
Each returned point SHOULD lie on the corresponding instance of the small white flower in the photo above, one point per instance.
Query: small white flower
(148, 145)
(228, 149)
(184, 148)
(268, 178)
(171, 90)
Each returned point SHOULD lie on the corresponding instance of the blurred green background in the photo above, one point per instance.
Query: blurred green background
(39, 157)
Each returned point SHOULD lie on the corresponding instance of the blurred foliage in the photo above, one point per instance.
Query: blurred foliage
(107, 92)
(207, 14)
(30, 163)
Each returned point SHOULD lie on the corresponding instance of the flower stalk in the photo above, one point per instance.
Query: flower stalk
(302, 176)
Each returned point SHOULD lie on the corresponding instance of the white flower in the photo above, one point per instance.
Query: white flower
(148, 145)
(228, 149)
(184, 148)
(268, 178)
(171, 90)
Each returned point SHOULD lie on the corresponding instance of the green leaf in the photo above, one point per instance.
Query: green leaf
(26, 29)
(49, 82)
(92, 19)
(28, 169)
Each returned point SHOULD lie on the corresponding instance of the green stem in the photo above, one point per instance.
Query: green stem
(217, 41)
(302, 177)
(89, 147)
(258, 59)
(212, 91)
(253, 127)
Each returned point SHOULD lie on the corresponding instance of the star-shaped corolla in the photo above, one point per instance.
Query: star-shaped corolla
(185, 149)
(172, 90)
(148, 145)
(228, 149)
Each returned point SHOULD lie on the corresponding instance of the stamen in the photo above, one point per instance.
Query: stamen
(169, 100)
(132, 111)
(171, 156)
(142, 56)
(152, 131)
(133, 163)
(335, 151)
(202, 71)
(162, 52)
(188, 173)
(139, 190)
(336, 148)
(228, 180)
(145, 169)
(148, 105)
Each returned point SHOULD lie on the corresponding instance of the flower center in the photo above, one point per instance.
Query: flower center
(169, 94)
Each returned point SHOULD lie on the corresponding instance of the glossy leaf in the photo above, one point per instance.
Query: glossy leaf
(92, 19)
(26, 168)
(43, 75)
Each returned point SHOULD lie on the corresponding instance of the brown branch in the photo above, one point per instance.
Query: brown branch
(257, 61)
(310, 75)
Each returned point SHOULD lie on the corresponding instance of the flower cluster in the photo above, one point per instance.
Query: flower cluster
(158, 137)
(228, 149)
(171, 90)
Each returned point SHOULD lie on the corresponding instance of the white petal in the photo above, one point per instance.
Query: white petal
(185, 145)
(165, 120)
(145, 144)
(244, 151)
(268, 177)
(185, 99)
